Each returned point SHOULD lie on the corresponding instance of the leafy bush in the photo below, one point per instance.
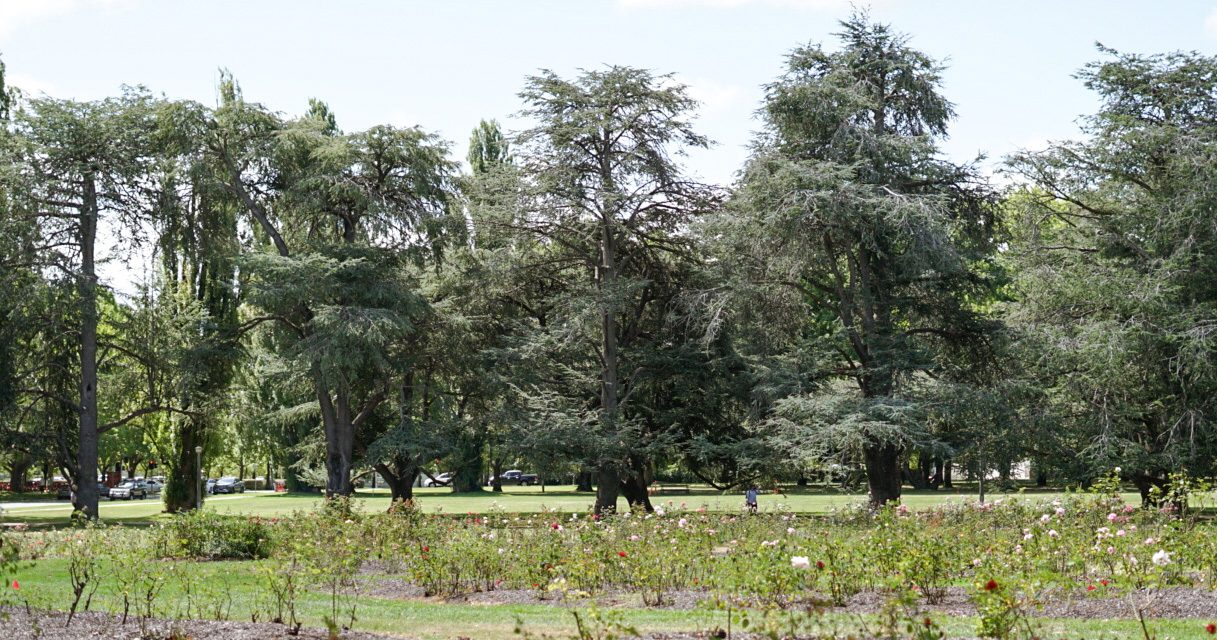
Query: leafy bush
(208, 535)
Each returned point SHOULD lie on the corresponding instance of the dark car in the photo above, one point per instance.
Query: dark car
(515, 476)
(130, 490)
(229, 485)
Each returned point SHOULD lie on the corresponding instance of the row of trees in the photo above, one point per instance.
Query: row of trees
(351, 301)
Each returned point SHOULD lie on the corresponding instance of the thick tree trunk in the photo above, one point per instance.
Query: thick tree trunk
(608, 484)
(86, 453)
(584, 482)
(1146, 484)
(182, 487)
(339, 437)
(608, 479)
(496, 468)
(946, 473)
(400, 480)
(18, 472)
(634, 486)
(882, 473)
(635, 493)
(468, 471)
(919, 476)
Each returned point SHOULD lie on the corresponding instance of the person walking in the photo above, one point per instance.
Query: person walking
(750, 498)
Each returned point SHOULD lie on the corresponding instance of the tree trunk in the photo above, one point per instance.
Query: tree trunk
(946, 474)
(182, 484)
(635, 493)
(86, 453)
(400, 479)
(882, 473)
(584, 481)
(608, 483)
(1041, 477)
(496, 467)
(468, 470)
(608, 478)
(339, 436)
(18, 472)
(1146, 484)
(634, 486)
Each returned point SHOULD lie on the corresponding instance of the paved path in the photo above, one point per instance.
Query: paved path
(16, 508)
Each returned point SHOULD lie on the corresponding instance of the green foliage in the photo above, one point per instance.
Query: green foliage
(199, 534)
(488, 148)
(1114, 260)
(862, 244)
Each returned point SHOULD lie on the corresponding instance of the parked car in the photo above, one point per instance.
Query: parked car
(130, 490)
(155, 487)
(211, 485)
(65, 492)
(229, 485)
(515, 476)
(442, 480)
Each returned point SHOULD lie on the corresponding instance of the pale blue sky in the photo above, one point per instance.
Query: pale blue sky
(444, 65)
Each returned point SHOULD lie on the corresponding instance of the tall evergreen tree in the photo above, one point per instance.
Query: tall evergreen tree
(347, 216)
(605, 191)
(847, 216)
(75, 164)
(1117, 281)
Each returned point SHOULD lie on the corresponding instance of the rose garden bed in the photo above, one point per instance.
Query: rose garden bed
(1010, 569)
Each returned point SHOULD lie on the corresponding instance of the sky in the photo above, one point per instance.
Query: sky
(445, 65)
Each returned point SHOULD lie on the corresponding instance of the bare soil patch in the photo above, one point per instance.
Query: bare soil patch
(1177, 602)
(17, 624)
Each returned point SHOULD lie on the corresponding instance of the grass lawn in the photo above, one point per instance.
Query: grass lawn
(47, 586)
(512, 500)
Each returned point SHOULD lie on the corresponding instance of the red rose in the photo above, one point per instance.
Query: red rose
(17, 585)
(426, 548)
(621, 553)
(991, 585)
(1090, 587)
(1103, 582)
(1211, 628)
(819, 564)
(928, 623)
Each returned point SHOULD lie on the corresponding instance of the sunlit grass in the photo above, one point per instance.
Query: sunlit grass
(511, 500)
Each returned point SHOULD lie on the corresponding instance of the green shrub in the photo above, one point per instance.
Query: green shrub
(207, 535)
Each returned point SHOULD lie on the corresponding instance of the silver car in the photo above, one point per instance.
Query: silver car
(130, 490)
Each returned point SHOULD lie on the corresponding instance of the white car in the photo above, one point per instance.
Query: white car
(154, 487)
(442, 480)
